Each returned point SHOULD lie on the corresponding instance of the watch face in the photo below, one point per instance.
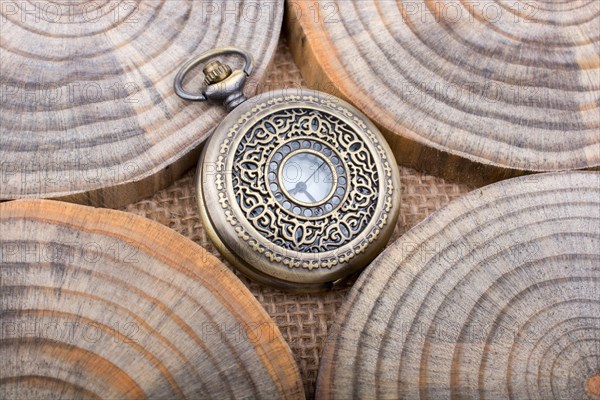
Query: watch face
(298, 190)
(305, 177)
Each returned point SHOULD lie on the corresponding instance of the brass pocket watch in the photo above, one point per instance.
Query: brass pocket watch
(297, 190)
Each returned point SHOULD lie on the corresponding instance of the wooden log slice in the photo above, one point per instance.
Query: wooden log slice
(88, 110)
(470, 90)
(104, 304)
(495, 296)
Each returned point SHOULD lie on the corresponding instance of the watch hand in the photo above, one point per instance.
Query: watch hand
(312, 199)
(311, 175)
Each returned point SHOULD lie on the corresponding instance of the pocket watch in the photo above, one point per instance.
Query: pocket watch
(297, 188)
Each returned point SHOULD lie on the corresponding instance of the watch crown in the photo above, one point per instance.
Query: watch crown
(215, 72)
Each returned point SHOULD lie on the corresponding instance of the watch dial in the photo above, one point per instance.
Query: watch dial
(307, 178)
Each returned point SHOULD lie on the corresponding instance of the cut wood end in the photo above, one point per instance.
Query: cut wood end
(65, 265)
(92, 118)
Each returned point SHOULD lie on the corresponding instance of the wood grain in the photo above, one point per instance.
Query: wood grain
(497, 295)
(88, 112)
(471, 91)
(103, 304)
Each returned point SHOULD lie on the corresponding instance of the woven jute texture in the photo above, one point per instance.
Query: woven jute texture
(302, 318)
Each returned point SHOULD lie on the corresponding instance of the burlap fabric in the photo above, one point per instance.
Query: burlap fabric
(302, 318)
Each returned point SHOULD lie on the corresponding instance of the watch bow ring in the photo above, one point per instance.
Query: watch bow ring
(296, 188)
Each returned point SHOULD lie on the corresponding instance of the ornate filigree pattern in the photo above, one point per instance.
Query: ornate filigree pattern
(356, 220)
(282, 220)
